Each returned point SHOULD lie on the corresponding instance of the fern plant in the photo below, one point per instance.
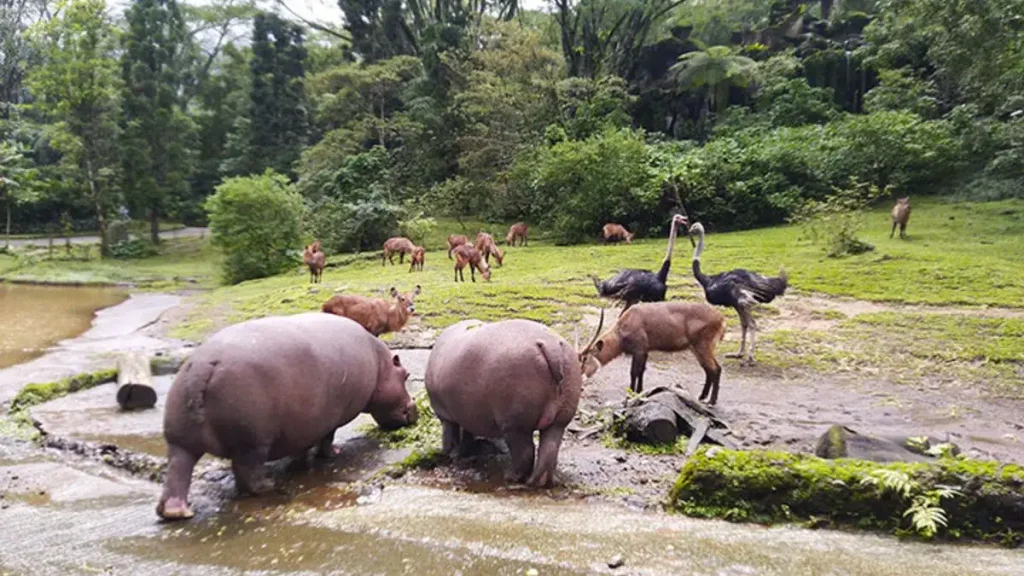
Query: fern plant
(927, 516)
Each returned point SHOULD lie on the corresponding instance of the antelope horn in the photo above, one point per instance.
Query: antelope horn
(597, 333)
(576, 337)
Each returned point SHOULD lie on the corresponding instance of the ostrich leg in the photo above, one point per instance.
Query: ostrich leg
(745, 319)
(753, 338)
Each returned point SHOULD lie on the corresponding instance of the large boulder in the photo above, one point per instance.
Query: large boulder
(842, 442)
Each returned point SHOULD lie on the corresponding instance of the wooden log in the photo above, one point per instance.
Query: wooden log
(134, 382)
(651, 422)
(699, 431)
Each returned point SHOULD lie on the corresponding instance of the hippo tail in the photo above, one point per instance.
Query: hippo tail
(555, 361)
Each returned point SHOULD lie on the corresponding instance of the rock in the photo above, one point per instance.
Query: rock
(842, 442)
(616, 561)
(532, 572)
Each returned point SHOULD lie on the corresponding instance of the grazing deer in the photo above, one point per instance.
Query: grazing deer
(315, 260)
(900, 216)
(418, 255)
(454, 241)
(377, 315)
(397, 245)
(485, 245)
(467, 254)
(662, 327)
(617, 233)
(517, 231)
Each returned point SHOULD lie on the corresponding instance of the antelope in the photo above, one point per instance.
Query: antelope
(454, 241)
(487, 247)
(315, 260)
(617, 233)
(377, 315)
(418, 255)
(467, 254)
(397, 245)
(900, 216)
(517, 231)
(661, 327)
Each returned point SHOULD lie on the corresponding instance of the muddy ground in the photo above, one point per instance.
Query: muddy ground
(93, 485)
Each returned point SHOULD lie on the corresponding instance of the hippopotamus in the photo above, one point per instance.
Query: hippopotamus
(505, 380)
(275, 387)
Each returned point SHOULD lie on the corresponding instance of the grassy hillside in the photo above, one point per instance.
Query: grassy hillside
(963, 254)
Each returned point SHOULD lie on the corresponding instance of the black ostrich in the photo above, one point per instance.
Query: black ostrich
(631, 286)
(740, 289)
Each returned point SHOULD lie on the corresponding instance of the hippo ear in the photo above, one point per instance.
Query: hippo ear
(395, 360)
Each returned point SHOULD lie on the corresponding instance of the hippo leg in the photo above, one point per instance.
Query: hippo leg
(250, 472)
(326, 447)
(547, 457)
(451, 437)
(173, 503)
(521, 448)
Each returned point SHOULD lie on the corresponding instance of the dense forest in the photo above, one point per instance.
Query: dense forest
(584, 112)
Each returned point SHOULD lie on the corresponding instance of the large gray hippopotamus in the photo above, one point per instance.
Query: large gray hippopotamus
(505, 380)
(275, 387)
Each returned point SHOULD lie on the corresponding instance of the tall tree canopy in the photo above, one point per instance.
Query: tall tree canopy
(157, 135)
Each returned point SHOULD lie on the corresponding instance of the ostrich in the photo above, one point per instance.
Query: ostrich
(631, 286)
(739, 289)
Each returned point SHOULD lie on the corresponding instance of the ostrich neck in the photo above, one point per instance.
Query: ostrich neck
(671, 241)
(700, 244)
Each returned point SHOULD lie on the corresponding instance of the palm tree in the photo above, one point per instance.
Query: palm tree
(713, 70)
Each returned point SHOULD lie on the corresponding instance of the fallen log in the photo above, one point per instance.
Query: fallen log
(663, 414)
(134, 382)
(651, 422)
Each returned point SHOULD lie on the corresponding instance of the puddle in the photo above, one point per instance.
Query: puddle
(36, 317)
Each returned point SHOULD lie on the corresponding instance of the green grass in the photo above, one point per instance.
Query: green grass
(185, 262)
(956, 254)
(909, 347)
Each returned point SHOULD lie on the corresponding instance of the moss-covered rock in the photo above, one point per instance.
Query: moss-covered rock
(33, 394)
(773, 487)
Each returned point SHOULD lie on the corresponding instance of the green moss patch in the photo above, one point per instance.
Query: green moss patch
(33, 394)
(422, 436)
(949, 499)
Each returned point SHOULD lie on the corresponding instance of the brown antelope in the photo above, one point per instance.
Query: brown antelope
(467, 254)
(418, 255)
(517, 231)
(617, 233)
(454, 241)
(315, 260)
(900, 216)
(397, 245)
(486, 245)
(661, 327)
(377, 315)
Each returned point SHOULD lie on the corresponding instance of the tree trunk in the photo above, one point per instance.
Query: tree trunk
(8, 232)
(134, 382)
(154, 225)
(101, 219)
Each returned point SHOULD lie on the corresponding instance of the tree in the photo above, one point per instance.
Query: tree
(157, 134)
(15, 174)
(76, 87)
(255, 221)
(714, 70)
(276, 127)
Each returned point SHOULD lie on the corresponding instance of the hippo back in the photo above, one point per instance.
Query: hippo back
(514, 374)
(283, 381)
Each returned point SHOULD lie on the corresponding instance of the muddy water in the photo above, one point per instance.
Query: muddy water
(33, 318)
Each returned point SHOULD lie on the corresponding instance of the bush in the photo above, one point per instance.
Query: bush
(576, 186)
(254, 220)
(133, 249)
(836, 221)
(418, 228)
(949, 498)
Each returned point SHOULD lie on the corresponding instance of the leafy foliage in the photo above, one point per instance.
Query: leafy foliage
(254, 220)
(835, 221)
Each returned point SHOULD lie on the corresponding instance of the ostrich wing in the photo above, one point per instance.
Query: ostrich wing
(751, 284)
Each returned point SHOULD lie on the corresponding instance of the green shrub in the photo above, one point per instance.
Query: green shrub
(835, 221)
(578, 185)
(132, 249)
(254, 220)
(978, 500)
